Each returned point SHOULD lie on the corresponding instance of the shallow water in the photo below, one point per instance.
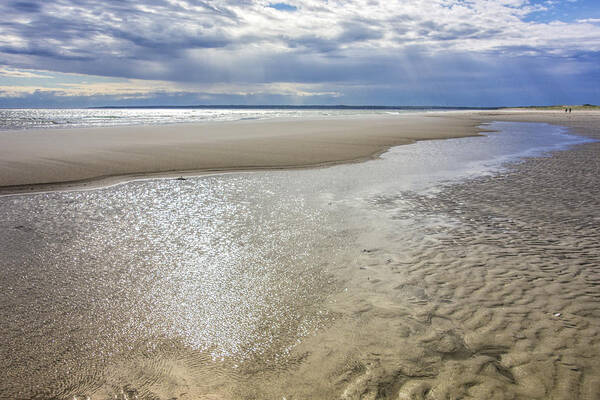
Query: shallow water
(21, 119)
(174, 288)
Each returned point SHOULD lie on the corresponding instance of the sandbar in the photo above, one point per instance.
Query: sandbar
(59, 159)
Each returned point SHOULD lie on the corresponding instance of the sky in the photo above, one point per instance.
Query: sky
(81, 53)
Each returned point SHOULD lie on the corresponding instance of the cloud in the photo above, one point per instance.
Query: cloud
(26, 6)
(589, 21)
(16, 73)
(80, 86)
(338, 45)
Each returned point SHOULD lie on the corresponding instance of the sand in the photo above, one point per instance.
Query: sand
(57, 159)
(585, 122)
(503, 303)
(63, 158)
(491, 292)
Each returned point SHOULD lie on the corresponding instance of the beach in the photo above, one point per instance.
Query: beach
(55, 158)
(411, 267)
(52, 159)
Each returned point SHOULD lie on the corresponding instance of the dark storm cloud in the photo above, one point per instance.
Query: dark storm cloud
(356, 31)
(474, 80)
(26, 6)
(62, 29)
(351, 32)
(169, 44)
(44, 52)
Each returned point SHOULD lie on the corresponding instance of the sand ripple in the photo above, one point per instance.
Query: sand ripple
(488, 289)
(492, 294)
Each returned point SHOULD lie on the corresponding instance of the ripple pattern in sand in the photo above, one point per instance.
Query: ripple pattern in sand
(492, 294)
(156, 290)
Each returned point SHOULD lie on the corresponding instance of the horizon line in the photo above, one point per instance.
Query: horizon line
(310, 106)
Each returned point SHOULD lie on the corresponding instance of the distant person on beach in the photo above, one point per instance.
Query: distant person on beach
(569, 110)
(566, 110)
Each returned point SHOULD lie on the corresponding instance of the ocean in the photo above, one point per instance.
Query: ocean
(19, 119)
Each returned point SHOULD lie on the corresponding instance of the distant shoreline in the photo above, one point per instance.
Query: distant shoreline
(590, 107)
(314, 107)
(295, 107)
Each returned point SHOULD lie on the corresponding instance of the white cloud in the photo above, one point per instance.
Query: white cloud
(94, 29)
(136, 88)
(20, 73)
(589, 21)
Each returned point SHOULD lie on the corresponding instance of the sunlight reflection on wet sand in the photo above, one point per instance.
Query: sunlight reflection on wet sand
(223, 273)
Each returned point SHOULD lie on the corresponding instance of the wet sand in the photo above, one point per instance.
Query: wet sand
(486, 289)
(493, 292)
(503, 303)
(499, 296)
(584, 122)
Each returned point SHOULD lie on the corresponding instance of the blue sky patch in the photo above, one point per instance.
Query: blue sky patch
(283, 6)
(564, 11)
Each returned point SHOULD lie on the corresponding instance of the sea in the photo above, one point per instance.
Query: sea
(19, 119)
